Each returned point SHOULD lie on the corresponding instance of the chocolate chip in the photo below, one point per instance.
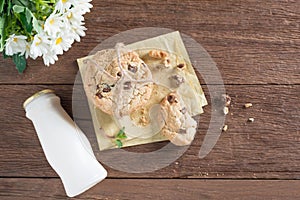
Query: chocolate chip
(172, 99)
(99, 95)
(178, 80)
(180, 66)
(106, 89)
(132, 69)
(119, 74)
(127, 85)
(183, 110)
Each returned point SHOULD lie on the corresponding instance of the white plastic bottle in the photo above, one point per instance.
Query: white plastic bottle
(67, 149)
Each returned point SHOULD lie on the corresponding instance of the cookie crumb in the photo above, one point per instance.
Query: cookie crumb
(225, 110)
(250, 119)
(226, 99)
(225, 128)
(248, 105)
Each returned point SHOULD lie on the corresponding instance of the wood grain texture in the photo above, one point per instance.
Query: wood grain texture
(153, 189)
(256, 47)
(266, 148)
(258, 39)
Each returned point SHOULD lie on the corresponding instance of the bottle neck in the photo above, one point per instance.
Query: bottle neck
(42, 104)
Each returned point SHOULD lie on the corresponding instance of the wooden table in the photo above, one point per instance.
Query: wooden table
(256, 46)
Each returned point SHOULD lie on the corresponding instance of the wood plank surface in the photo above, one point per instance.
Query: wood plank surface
(258, 39)
(266, 148)
(174, 189)
(256, 47)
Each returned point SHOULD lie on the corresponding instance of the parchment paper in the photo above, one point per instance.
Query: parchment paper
(104, 123)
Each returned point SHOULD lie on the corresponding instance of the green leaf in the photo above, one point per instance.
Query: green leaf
(20, 62)
(36, 25)
(27, 19)
(9, 6)
(18, 9)
(2, 2)
(4, 55)
(24, 15)
(2, 32)
(119, 143)
(21, 2)
(121, 134)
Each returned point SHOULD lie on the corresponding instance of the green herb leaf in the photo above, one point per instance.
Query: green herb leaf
(121, 134)
(21, 2)
(24, 15)
(20, 62)
(2, 2)
(119, 143)
(27, 19)
(18, 9)
(4, 55)
(2, 32)
(9, 6)
(36, 25)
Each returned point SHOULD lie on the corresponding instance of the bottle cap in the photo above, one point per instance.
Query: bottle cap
(34, 96)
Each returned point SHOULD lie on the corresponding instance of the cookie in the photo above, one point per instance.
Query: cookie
(119, 86)
(180, 127)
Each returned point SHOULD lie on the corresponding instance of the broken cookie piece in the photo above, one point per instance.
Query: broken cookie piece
(180, 127)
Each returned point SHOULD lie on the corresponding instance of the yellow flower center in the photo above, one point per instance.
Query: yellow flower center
(15, 39)
(64, 1)
(58, 41)
(69, 16)
(39, 40)
(51, 21)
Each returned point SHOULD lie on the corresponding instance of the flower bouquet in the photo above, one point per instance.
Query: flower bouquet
(40, 28)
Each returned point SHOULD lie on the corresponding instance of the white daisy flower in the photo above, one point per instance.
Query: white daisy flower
(15, 44)
(40, 45)
(76, 32)
(72, 16)
(62, 5)
(49, 58)
(61, 43)
(53, 24)
(84, 6)
(27, 50)
(74, 26)
(78, 29)
(74, 35)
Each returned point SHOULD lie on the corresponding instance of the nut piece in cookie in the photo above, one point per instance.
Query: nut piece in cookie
(180, 127)
(162, 55)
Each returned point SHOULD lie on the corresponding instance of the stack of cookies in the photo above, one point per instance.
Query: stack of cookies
(146, 91)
